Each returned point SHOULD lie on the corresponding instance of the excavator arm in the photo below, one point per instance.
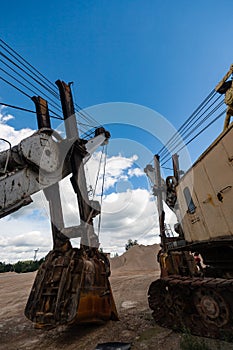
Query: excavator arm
(38, 162)
(72, 285)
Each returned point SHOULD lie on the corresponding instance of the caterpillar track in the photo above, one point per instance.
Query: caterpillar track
(204, 306)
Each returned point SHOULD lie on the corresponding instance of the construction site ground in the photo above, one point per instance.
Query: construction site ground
(131, 276)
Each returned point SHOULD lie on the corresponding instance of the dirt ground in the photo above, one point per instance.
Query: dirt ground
(136, 325)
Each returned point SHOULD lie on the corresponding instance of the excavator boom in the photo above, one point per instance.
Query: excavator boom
(72, 284)
(38, 162)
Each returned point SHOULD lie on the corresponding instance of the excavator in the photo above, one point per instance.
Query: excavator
(72, 284)
(195, 288)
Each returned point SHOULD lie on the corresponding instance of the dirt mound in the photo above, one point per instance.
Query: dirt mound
(137, 258)
(135, 326)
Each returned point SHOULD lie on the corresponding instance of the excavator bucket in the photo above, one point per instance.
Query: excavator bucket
(72, 286)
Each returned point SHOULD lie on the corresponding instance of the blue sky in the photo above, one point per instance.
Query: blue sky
(163, 55)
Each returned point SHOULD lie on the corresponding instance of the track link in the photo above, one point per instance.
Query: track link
(204, 306)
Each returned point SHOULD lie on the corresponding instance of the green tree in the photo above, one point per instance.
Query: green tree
(5, 267)
(21, 266)
(27, 266)
(130, 244)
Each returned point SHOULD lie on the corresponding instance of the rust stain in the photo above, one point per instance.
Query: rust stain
(209, 200)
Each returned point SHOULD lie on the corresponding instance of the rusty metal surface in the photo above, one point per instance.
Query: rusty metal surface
(71, 286)
(202, 305)
(225, 86)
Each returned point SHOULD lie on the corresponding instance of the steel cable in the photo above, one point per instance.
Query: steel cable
(184, 136)
(83, 115)
(188, 121)
(198, 134)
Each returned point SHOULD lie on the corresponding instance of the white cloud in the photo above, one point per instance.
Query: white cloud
(116, 169)
(7, 132)
(136, 172)
(21, 236)
(5, 118)
(126, 214)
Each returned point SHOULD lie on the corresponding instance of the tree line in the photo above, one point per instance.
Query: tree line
(21, 266)
(33, 265)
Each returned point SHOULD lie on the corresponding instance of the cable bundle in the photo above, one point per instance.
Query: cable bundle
(207, 113)
(26, 79)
